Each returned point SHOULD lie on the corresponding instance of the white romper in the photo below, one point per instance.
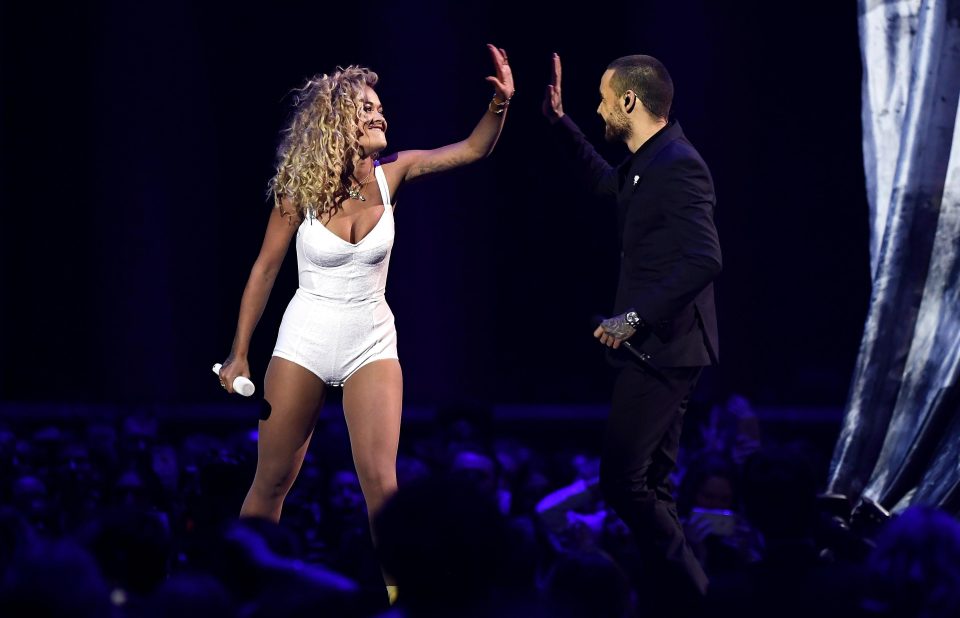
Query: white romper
(338, 320)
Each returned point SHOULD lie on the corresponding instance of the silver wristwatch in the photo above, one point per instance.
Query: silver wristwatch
(633, 319)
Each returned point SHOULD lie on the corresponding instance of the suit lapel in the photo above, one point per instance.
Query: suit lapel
(632, 169)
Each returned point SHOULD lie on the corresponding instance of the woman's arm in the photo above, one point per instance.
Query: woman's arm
(281, 227)
(415, 163)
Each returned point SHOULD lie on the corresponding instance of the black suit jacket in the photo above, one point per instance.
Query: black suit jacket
(670, 253)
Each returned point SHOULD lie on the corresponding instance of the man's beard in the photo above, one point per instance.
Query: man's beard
(618, 128)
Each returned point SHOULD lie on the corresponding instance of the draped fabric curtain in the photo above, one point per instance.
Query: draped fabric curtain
(900, 439)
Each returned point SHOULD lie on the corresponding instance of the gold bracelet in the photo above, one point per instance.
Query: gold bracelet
(497, 107)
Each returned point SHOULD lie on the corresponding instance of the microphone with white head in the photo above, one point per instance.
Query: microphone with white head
(241, 384)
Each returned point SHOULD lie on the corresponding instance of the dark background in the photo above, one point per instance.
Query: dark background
(137, 140)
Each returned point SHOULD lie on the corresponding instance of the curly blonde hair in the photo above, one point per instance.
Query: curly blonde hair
(315, 157)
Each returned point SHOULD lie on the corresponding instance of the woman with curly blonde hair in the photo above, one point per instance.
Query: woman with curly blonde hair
(334, 192)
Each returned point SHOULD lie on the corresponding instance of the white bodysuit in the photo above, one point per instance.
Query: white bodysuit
(338, 320)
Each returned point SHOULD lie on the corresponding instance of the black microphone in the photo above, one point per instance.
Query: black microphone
(643, 357)
(264, 409)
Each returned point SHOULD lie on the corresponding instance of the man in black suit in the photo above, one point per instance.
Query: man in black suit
(664, 308)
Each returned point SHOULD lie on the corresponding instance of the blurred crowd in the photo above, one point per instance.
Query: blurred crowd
(139, 518)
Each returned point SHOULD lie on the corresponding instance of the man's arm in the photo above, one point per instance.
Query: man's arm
(591, 168)
(686, 202)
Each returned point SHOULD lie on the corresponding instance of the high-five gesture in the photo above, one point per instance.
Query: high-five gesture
(503, 81)
(411, 164)
(552, 103)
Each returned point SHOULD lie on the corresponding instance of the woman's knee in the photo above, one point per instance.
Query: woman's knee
(378, 478)
(274, 483)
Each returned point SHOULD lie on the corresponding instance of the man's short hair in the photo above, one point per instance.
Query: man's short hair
(648, 78)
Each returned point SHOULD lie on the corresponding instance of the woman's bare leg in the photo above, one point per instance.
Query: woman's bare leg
(372, 401)
(295, 396)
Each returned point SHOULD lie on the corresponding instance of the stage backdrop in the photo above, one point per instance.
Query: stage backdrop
(899, 443)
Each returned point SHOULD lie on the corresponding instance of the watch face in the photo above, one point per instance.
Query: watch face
(632, 318)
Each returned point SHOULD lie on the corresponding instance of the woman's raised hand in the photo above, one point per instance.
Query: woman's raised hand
(503, 80)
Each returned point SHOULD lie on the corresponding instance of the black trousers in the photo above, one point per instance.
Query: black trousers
(640, 448)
